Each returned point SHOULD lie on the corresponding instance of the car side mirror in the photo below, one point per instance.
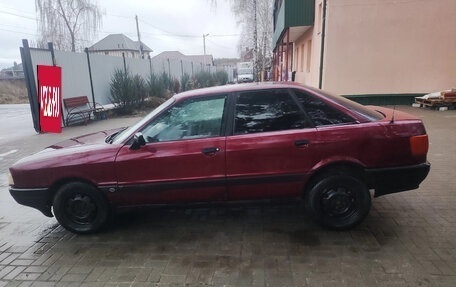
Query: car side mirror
(138, 141)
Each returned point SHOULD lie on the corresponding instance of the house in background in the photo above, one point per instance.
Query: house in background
(14, 72)
(116, 44)
(205, 60)
(378, 51)
(247, 55)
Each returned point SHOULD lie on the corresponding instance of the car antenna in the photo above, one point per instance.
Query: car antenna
(392, 117)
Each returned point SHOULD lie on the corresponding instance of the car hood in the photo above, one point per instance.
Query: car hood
(92, 138)
(86, 149)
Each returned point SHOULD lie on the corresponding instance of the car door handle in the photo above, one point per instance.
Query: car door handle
(210, 150)
(302, 143)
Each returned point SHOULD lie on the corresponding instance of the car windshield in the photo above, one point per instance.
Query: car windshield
(125, 134)
(361, 110)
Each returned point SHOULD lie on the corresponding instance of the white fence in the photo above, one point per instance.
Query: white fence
(76, 75)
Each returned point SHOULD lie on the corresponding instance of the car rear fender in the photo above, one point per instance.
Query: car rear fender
(340, 166)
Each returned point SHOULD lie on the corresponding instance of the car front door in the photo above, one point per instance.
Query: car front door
(183, 159)
(271, 148)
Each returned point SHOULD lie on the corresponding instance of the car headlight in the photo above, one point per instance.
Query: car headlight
(10, 179)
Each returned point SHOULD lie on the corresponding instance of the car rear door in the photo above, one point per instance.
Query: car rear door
(272, 146)
(183, 159)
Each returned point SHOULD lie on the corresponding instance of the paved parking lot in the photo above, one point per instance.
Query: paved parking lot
(409, 239)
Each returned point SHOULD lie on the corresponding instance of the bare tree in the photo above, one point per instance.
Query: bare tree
(256, 20)
(69, 24)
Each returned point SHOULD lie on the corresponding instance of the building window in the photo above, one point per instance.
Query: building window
(298, 63)
(302, 57)
(308, 55)
(319, 17)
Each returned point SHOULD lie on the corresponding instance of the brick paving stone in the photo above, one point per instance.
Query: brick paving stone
(5, 270)
(174, 279)
(59, 273)
(9, 258)
(15, 271)
(71, 277)
(42, 284)
(25, 276)
(22, 262)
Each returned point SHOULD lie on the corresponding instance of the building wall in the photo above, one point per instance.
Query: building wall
(307, 51)
(387, 47)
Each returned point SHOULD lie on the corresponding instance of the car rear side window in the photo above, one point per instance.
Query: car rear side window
(266, 111)
(320, 112)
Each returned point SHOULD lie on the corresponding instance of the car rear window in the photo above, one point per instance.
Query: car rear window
(320, 112)
(359, 109)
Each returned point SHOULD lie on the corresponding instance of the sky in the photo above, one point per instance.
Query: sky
(170, 25)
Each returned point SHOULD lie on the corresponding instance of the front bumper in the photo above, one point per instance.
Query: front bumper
(396, 179)
(39, 198)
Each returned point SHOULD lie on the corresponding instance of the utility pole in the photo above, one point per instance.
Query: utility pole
(263, 54)
(204, 46)
(139, 38)
(255, 40)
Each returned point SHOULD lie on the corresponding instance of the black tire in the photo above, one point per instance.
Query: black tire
(80, 208)
(338, 201)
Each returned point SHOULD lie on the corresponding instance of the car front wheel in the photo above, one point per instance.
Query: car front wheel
(80, 208)
(338, 201)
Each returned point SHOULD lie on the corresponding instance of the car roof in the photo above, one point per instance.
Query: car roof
(238, 88)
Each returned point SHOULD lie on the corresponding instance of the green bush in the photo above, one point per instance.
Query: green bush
(176, 86)
(130, 92)
(185, 79)
(221, 78)
(122, 91)
(205, 79)
(140, 92)
(155, 86)
(166, 80)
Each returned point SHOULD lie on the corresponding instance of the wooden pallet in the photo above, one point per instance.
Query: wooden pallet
(436, 102)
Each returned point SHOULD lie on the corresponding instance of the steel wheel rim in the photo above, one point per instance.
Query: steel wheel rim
(80, 208)
(338, 202)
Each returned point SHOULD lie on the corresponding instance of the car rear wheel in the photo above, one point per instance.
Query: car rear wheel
(80, 208)
(338, 201)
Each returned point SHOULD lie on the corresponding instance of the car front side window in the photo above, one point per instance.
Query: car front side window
(190, 119)
(266, 111)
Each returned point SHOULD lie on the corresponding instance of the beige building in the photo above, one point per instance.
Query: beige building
(367, 48)
(118, 45)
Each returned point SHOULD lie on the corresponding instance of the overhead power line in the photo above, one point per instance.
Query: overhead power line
(12, 31)
(17, 15)
(227, 35)
(184, 35)
(171, 33)
(166, 32)
(218, 45)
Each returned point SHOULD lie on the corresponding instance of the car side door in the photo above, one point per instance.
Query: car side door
(271, 148)
(183, 159)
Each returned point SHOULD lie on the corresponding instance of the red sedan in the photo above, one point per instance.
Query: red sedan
(232, 143)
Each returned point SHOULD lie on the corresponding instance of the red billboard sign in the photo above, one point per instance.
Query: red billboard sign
(50, 98)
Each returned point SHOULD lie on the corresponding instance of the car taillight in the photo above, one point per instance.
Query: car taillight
(419, 145)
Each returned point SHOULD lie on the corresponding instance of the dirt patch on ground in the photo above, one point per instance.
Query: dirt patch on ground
(13, 92)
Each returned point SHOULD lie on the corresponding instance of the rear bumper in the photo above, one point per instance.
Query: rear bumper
(396, 179)
(39, 198)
